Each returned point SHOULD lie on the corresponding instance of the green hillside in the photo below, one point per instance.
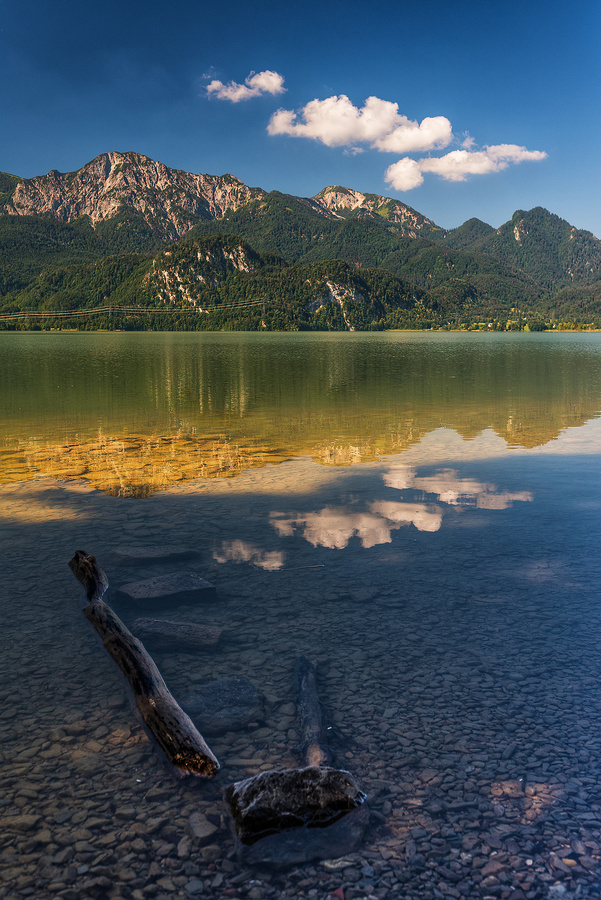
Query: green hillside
(222, 282)
(547, 248)
(392, 267)
(465, 236)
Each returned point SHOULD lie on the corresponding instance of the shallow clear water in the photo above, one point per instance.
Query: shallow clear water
(418, 514)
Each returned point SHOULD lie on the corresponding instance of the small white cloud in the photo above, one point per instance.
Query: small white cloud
(336, 122)
(404, 175)
(459, 164)
(255, 84)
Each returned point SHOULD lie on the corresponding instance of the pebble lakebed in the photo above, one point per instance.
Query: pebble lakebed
(471, 718)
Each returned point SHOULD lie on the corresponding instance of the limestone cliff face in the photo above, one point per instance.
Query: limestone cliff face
(169, 198)
(177, 277)
(340, 201)
(341, 294)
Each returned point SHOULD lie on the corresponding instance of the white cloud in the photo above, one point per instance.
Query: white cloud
(406, 174)
(258, 83)
(336, 122)
(458, 164)
(410, 137)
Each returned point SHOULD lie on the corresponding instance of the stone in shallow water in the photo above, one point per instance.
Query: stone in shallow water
(200, 829)
(223, 705)
(287, 817)
(175, 635)
(180, 589)
(151, 553)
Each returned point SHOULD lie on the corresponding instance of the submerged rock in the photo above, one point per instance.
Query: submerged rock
(290, 816)
(223, 705)
(175, 635)
(180, 589)
(151, 553)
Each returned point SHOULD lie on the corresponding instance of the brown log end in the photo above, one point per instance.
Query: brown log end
(88, 572)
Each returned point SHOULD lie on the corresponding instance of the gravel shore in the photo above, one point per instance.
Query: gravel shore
(458, 673)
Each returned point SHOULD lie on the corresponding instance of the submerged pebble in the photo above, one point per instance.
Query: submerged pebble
(225, 704)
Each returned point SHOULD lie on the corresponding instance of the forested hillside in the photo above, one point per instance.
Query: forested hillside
(110, 235)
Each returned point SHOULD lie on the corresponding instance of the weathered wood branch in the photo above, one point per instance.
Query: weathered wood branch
(308, 709)
(174, 731)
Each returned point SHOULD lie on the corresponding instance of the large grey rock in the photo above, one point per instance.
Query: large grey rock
(223, 705)
(181, 589)
(287, 817)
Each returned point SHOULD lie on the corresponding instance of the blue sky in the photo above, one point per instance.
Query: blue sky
(497, 103)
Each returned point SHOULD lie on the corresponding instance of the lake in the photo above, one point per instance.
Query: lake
(417, 514)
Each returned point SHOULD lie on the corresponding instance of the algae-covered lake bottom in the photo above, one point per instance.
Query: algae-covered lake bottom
(418, 514)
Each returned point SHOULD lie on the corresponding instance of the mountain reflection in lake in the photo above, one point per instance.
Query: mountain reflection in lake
(418, 514)
(135, 413)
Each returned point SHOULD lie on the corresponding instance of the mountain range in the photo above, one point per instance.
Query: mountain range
(203, 251)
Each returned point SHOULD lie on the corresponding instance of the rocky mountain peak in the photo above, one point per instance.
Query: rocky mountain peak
(335, 198)
(342, 202)
(170, 198)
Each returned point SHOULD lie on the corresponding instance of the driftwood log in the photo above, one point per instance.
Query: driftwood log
(176, 635)
(287, 817)
(308, 710)
(174, 732)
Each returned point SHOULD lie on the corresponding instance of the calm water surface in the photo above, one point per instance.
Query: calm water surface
(418, 514)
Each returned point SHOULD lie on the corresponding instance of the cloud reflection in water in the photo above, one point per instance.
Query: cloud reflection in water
(242, 551)
(334, 526)
(449, 488)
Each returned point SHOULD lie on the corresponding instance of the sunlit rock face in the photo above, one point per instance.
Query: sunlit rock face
(112, 181)
(340, 201)
(178, 277)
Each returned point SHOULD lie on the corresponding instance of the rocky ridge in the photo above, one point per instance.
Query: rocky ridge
(173, 199)
(112, 181)
(340, 201)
